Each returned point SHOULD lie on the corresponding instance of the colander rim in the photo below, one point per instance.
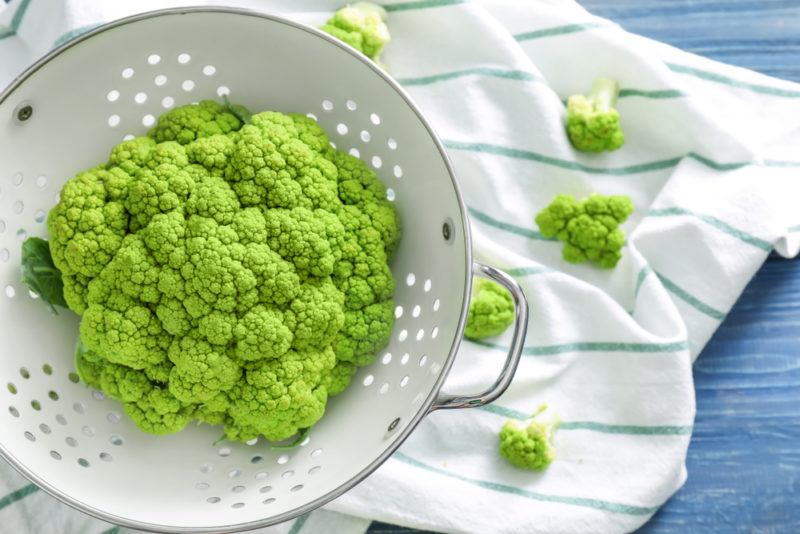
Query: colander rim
(426, 404)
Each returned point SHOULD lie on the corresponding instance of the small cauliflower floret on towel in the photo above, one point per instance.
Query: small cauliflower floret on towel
(593, 121)
(491, 310)
(589, 228)
(362, 26)
(530, 445)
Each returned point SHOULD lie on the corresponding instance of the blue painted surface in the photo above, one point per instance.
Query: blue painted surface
(762, 35)
(744, 458)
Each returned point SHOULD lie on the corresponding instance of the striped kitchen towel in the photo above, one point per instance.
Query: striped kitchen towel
(711, 165)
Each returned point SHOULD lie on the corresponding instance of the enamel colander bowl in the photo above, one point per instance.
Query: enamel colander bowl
(65, 113)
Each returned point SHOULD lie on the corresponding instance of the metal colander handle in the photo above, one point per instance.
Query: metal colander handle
(445, 401)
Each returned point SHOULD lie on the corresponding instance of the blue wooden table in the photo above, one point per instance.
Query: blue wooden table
(744, 458)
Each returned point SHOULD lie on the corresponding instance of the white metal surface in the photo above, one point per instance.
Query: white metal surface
(85, 99)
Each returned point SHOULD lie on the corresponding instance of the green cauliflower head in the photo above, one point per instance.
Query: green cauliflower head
(231, 274)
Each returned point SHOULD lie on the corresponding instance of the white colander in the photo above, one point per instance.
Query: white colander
(64, 115)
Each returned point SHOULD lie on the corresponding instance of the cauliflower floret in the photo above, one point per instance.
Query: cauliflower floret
(159, 412)
(195, 121)
(491, 310)
(123, 383)
(589, 228)
(201, 370)
(363, 273)
(362, 26)
(272, 166)
(214, 199)
(217, 327)
(592, 121)
(118, 326)
(338, 378)
(358, 186)
(530, 446)
(154, 191)
(277, 280)
(315, 315)
(281, 396)
(76, 289)
(132, 155)
(364, 332)
(212, 152)
(311, 240)
(262, 333)
(87, 225)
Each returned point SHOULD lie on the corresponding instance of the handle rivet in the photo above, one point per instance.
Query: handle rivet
(24, 112)
(447, 230)
(394, 424)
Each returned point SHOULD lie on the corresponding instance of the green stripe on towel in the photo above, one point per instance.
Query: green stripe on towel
(18, 495)
(778, 163)
(512, 228)
(655, 94)
(607, 506)
(632, 430)
(529, 271)
(298, 524)
(720, 78)
(640, 278)
(560, 30)
(508, 74)
(486, 148)
(592, 346)
(718, 166)
(719, 224)
(421, 4)
(696, 303)
(70, 35)
(16, 20)
(521, 75)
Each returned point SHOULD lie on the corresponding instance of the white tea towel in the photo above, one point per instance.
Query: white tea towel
(709, 165)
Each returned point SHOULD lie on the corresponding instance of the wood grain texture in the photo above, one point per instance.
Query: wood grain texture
(762, 35)
(744, 458)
